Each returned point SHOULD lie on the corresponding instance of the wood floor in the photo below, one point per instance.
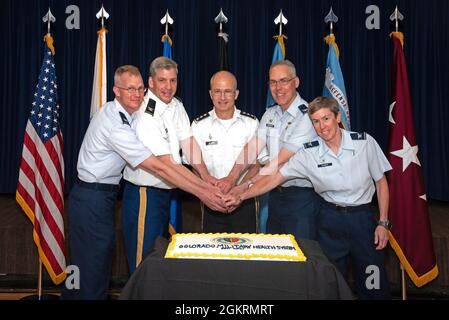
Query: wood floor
(19, 262)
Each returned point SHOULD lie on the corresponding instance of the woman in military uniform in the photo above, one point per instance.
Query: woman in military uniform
(345, 168)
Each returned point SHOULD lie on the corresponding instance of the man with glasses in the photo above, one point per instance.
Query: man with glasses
(221, 134)
(163, 126)
(283, 129)
(109, 143)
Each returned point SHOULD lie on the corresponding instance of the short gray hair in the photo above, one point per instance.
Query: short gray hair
(162, 63)
(286, 63)
(132, 70)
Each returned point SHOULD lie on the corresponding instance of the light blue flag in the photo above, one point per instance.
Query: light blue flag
(334, 85)
(167, 48)
(175, 222)
(278, 54)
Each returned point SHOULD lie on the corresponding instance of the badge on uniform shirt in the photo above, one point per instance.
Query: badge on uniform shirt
(270, 125)
(311, 144)
(124, 119)
(210, 136)
(323, 165)
(211, 143)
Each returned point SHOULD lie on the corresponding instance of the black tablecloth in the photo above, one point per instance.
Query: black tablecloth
(206, 279)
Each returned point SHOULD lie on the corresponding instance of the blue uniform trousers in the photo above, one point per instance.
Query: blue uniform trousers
(145, 215)
(293, 210)
(343, 234)
(91, 238)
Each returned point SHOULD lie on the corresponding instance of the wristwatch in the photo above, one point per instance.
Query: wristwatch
(384, 223)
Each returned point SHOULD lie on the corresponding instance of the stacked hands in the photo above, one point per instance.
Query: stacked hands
(221, 194)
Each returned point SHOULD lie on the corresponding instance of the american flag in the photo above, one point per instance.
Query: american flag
(41, 176)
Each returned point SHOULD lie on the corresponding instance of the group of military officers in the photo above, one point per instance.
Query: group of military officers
(320, 178)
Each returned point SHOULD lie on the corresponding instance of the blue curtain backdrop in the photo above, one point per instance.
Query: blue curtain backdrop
(134, 38)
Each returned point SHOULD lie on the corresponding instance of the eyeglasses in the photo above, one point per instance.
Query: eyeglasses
(282, 82)
(227, 93)
(132, 90)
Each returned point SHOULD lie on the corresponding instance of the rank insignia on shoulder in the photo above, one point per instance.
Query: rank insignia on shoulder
(358, 136)
(311, 144)
(204, 116)
(150, 107)
(124, 119)
(303, 108)
(246, 114)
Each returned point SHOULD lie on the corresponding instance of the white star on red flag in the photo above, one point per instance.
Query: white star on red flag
(408, 154)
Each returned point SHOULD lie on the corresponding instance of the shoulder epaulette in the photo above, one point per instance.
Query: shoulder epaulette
(124, 119)
(311, 144)
(358, 136)
(150, 107)
(246, 114)
(303, 108)
(204, 116)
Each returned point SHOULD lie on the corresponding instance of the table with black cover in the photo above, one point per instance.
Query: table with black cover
(212, 279)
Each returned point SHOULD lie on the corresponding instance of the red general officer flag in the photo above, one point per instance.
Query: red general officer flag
(410, 235)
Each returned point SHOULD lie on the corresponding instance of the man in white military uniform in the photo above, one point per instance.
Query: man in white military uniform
(284, 127)
(342, 166)
(163, 126)
(108, 145)
(221, 134)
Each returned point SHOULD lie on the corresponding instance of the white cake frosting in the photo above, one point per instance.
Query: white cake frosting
(242, 246)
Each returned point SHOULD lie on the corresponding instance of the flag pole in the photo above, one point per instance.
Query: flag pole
(39, 281)
(403, 285)
(48, 18)
(331, 18)
(223, 39)
(396, 16)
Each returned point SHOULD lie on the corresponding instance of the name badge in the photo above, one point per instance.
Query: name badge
(270, 125)
(211, 143)
(324, 165)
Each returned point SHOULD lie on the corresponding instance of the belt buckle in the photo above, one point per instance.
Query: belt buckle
(341, 208)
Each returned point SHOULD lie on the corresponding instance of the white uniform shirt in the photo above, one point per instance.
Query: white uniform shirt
(289, 129)
(220, 144)
(160, 127)
(345, 179)
(108, 144)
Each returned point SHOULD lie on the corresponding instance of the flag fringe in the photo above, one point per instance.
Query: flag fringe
(419, 281)
(280, 39)
(330, 40)
(102, 32)
(56, 278)
(171, 229)
(399, 35)
(49, 40)
(166, 36)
